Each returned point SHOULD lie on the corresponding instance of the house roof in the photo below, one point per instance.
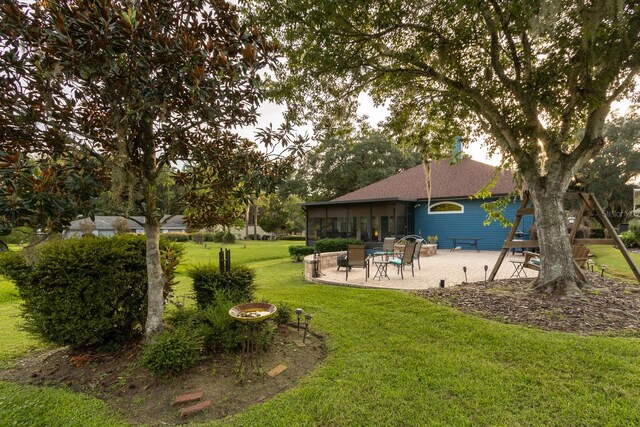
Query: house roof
(448, 181)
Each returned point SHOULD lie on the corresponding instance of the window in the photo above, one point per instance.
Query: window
(446, 208)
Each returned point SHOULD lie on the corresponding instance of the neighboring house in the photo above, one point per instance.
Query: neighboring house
(104, 225)
(397, 206)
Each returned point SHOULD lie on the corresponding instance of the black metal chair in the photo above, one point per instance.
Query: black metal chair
(357, 257)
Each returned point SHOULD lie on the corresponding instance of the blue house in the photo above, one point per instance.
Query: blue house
(397, 206)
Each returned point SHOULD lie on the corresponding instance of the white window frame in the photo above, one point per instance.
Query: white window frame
(461, 211)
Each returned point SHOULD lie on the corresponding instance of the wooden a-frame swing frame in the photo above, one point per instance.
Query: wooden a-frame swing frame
(590, 208)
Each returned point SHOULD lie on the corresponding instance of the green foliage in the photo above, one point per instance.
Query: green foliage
(335, 245)
(220, 331)
(346, 163)
(629, 239)
(300, 251)
(83, 292)
(611, 173)
(284, 314)
(218, 237)
(174, 351)
(19, 235)
(171, 254)
(293, 238)
(208, 281)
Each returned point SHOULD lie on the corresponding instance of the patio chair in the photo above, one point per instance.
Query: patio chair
(356, 257)
(580, 256)
(416, 252)
(387, 247)
(407, 259)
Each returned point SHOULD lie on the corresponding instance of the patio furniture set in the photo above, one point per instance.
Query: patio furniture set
(357, 258)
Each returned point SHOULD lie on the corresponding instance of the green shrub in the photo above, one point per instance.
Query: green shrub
(237, 283)
(335, 245)
(629, 239)
(300, 251)
(229, 238)
(218, 237)
(221, 331)
(284, 314)
(294, 238)
(634, 227)
(173, 351)
(171, 253)
(177, 237)
(83, 292)
(597, 233)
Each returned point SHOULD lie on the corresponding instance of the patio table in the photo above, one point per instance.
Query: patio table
(471, 241)
(381, 267)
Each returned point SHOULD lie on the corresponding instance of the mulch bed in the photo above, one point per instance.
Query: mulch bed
(608, 306)
(119, 379)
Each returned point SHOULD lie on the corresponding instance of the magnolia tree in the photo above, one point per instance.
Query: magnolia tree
(145, 86)
(537, 78)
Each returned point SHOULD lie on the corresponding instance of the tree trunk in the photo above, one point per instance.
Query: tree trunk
(558, 274)
(255, 222)
(247, 216)
(155, 279)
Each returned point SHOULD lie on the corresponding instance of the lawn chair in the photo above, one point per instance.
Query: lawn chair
(407, 258)
(356, 257)
(387, 248)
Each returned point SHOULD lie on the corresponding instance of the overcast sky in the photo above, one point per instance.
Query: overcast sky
(272, 113)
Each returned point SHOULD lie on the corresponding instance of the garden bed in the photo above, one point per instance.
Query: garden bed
(608, 306)
(118, 379)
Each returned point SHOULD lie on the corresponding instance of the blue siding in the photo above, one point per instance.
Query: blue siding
(468, 224)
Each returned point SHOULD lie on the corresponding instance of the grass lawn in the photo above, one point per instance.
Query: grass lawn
(395, 359)
(617, 266)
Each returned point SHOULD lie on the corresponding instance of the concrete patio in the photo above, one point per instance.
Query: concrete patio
(445, 265)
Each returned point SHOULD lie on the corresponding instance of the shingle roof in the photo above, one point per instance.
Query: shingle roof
(447, 181)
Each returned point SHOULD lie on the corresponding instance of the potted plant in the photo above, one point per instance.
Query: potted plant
(432, 240)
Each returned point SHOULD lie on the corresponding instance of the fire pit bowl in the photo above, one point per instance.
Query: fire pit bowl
(252, 312)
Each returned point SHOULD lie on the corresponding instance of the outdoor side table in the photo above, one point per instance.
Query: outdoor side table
(518, 269)
(381, 270)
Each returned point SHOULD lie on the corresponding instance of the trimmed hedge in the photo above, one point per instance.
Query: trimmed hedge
(83, 292)
(300, 251)
(294, 238)
(177, 237)
(237, 284)
(335, 245)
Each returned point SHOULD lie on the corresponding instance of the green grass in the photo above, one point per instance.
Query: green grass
(617, 266)
(395, 359)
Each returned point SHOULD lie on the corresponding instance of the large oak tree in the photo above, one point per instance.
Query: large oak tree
(538, 77)
(145, 85)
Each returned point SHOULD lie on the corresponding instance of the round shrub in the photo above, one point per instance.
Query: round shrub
(173, 351)
(218, 237)
(634, 227)
(300, 251)
(629, 239)
(284, 314)
(84, 292)
(228, 238)
(208, 281)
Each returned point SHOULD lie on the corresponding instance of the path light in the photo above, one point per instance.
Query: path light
(465, 274)
(486, 267)
(299, 312)
(307, 320)
(603, 267)
(442, 283)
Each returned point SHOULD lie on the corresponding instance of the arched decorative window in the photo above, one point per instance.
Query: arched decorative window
(446, 208)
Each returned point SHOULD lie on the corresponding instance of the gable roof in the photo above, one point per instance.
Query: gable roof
(105, 222)
(448, 181)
